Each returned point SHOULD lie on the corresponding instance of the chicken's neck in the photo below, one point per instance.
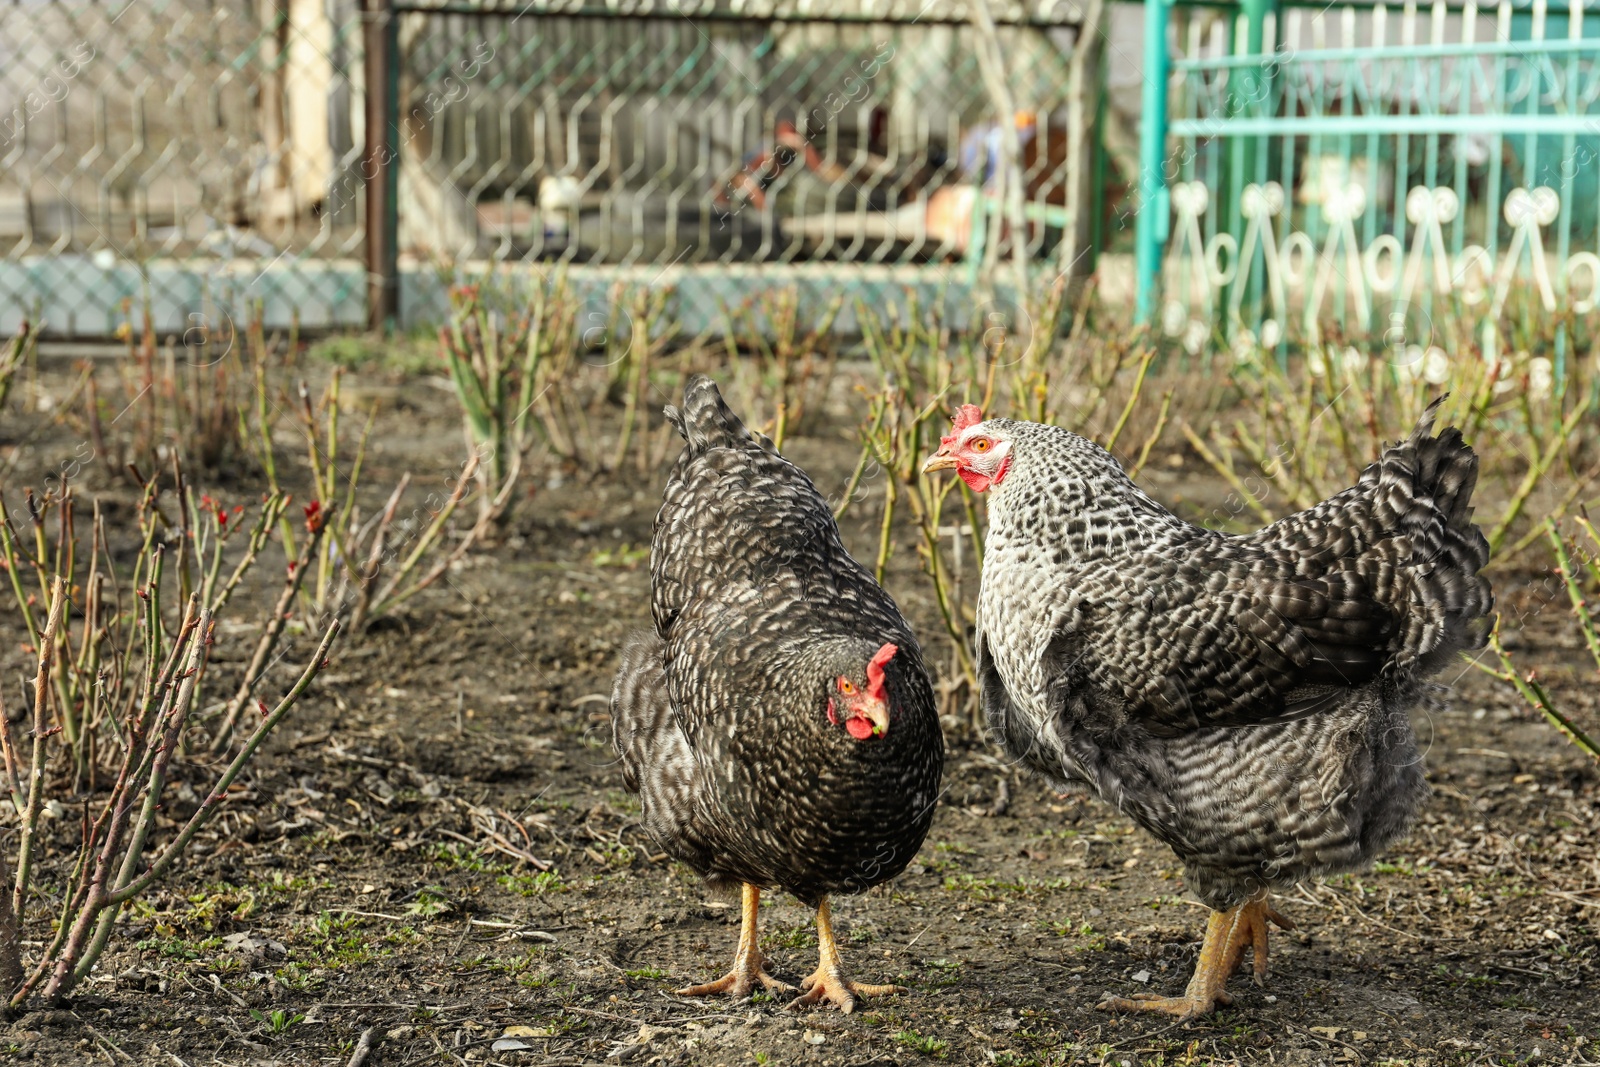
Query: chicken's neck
(1069, 496)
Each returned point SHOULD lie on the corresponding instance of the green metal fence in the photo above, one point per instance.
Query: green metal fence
(1409, 172)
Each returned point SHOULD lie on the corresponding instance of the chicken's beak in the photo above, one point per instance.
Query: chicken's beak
(870, 718)
(939, 461)
(877, 712)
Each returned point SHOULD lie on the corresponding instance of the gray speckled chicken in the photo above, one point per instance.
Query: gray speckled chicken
(1243, 698)
(778, 723)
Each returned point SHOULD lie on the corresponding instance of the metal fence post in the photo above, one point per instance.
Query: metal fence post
(1085, 94)
(380, 168)
(1150, 233)
(1251, 99)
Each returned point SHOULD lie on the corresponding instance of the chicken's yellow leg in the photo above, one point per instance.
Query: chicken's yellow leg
(1228, 934)
(827, 984)
(749, 968)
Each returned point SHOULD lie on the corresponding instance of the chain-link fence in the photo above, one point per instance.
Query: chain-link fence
(177, 152)
(201, 158)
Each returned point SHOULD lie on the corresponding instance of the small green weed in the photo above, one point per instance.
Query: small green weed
(800, 936)
(298, 976)
(611, 853)
(990, 890)
(276, 1020)
(427, 904)
(925, 1044)
(177, 948)
(533, 885)
(625, 556)
(459, 857)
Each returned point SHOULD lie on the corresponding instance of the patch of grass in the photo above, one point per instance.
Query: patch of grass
(625, 802)
(946, 857)
(993, 889)
(328, 924)
(1464, 978)
(646, 974)
(177, 948)
(528, 970)
(546, 980)
(1093, 940)
(282, 882)
(800, 936)
(1241, 1032)
(942, 973)
(298, 976)
(337, 942)
(277, 1020)
(350, 350)
(459, 857)
(560, 1025)
(923, 1043)
(611, 853)
(1400, 866)
(626, 556)
(1059, 832)
(428, 904)
(217, 900)
(404, 935)
(501, 964)
(533, 885)
(407, 355)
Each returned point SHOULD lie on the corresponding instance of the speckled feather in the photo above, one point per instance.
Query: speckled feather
(720, 716)
(1244, 698)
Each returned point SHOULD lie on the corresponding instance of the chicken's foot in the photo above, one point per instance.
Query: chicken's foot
(1228, 935)
(827, 984)
(749, 967)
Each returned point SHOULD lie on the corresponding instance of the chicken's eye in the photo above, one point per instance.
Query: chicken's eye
(981, 444)
(847, 687)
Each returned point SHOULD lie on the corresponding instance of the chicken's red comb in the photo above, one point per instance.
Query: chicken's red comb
(875, 670)
(966, 415)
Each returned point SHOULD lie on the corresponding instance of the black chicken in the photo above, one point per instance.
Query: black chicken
(778, 723)
(1243, 698)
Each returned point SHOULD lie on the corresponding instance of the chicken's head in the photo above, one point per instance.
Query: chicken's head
(978, 451)
(862, 703)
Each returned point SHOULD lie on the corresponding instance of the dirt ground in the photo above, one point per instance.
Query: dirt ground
(355, 885)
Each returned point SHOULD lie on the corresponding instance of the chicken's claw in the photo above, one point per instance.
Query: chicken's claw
(749, 965)
(1183, 1008)
(1228, 935)
(748, 972)
(828, 985)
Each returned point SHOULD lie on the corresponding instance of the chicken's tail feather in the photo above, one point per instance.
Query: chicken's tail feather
(705, 420)
(1427, 480)
(1447, 468)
